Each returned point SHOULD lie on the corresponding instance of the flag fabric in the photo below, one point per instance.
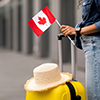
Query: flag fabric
(41, 21)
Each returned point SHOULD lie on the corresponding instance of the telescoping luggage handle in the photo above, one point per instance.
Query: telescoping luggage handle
(73, 62)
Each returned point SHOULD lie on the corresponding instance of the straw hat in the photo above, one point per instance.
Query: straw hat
(46, 76)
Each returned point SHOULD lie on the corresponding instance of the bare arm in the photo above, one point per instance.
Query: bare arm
(88, 30)
(85, 30)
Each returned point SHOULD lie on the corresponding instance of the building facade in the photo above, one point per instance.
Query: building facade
(15, 34)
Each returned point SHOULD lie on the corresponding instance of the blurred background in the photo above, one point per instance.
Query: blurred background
(21, 50)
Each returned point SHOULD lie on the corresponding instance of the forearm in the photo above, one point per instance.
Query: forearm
(67, 30)
(88, 30)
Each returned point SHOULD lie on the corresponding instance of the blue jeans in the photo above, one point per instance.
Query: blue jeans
(91, 48)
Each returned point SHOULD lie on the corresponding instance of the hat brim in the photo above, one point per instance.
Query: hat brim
(32, 86)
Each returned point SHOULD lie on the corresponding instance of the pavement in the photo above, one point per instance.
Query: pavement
(16, 68)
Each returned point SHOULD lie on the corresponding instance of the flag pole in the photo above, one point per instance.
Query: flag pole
(67, 35)
(58, 23)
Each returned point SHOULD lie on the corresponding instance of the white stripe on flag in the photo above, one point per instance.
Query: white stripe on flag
(42, 15)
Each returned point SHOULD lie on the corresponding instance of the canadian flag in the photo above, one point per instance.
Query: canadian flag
(41, 21)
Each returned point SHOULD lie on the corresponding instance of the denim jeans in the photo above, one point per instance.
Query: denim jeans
(91, 48)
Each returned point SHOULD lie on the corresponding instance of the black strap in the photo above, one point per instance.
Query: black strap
(72, 90)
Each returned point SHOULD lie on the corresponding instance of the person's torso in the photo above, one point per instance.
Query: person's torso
(90, 13)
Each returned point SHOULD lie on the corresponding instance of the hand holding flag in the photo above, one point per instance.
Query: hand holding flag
(42, 21)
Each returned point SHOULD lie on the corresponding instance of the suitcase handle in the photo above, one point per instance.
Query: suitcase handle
(73, 62)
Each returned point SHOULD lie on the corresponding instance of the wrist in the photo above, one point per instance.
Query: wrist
(78, 31)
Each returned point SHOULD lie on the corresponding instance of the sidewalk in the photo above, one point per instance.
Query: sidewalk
(16, 68)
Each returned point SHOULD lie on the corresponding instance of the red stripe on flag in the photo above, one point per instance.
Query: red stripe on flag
(49, 14)
(34, 27)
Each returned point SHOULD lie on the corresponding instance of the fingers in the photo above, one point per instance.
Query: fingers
(65, 30)
(63, 26)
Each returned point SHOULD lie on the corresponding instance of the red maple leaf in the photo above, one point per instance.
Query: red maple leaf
(42, 20)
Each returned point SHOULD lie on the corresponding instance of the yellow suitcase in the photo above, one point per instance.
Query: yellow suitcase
(72, 90)
(69, 91)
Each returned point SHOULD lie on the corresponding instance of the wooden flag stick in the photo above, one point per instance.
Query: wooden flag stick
(67, 35)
